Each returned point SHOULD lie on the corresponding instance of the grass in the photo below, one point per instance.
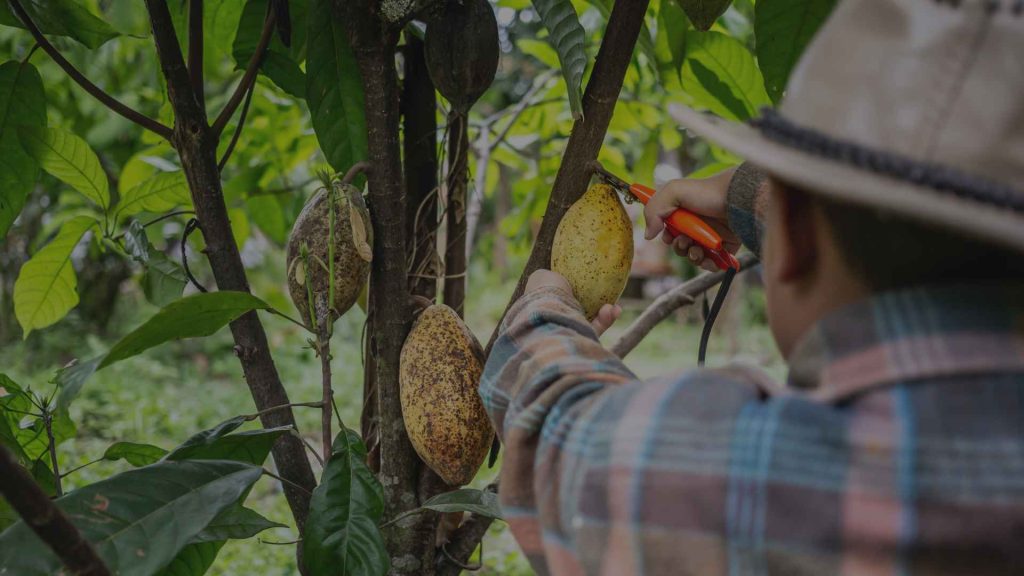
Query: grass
(169, 393)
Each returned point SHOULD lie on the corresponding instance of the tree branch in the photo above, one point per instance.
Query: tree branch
(238, 129)
(195, 49)
(588, 132)
(248, 78)
(682, 295)
(463, 542)
(87, 85)
(455, 214)
(197, 146)
(44, 518)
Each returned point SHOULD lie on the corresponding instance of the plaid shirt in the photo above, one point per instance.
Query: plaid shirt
(897, 446)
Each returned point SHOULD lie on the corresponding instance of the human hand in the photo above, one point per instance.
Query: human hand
(705, 198)
(543, 279)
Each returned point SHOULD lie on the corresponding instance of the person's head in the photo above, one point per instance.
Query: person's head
(819, 255)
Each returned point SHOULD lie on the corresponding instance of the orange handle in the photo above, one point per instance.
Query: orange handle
(692, 226)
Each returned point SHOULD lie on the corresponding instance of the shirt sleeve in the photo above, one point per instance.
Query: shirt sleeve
(579, 429)
(745, 205)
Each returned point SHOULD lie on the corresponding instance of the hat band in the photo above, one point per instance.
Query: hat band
(938, 177)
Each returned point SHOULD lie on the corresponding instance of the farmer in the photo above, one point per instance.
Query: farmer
(885, 201)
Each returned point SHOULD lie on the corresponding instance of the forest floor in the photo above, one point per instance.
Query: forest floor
(171, 392)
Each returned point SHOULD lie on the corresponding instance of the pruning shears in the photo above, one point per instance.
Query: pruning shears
(679, 222)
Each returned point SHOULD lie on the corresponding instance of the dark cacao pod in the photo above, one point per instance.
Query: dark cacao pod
(703, 13)
(461, 48)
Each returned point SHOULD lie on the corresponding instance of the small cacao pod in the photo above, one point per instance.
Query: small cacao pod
(439, 372)
(461, 49)
(309, 252)
(593, 248)
(703, 13)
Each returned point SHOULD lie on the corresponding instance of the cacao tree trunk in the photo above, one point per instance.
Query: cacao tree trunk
(455, 213)
(196, 144)
(410, 541)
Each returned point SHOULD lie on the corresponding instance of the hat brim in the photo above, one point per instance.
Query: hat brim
(846, 183)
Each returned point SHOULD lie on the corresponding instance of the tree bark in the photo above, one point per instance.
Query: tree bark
(48, 522)
(588, 132)
(410, 543)
(197, 145)
(419, 110)
(456, 184)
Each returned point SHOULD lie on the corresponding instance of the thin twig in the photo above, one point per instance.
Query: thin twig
(286, 481)
(86, 465)
(324, 350)
(468, 567)
(195, 49)
(238, 129)
(311, 448)
(52, 447)
(251, 70)
(356, 169)
(86, 84)
(47, 520)
(157, 220)
(682, 295)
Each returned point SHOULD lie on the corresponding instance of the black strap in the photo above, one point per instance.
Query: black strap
(709, 321)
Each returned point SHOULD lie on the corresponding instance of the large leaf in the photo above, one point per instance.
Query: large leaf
(334, 90)
(720, 75)
(45, 290)
(134, 453)
(480, 502)
(218, 443)
(68, 158)
(783, 29)
(235, 523)
(342, 535)
(139, 520)
(567, 37)
(670, 44)
(22, 102)
(279, 64)
(159, 193)
(190, 317)
(62, 18)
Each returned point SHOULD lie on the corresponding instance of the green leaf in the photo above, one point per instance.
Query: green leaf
(159, 193)
(62, 18)
(251, 446)
(22, 102)
(134, 453)
(190, 317)
(235, 523)
(139, 520)
(68, 158)
(193, 560)
(164, 279)
(278, 63)
(45, 290)
(342, 534)
(566, 36)
(334, 90)
(480, 502)
(268, 214)
(783, 29)
(670, 44)
(720, 75)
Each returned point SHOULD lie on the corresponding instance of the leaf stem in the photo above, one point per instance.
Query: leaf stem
(238, 129)
(86, 84)
(52, 447)
(251, 417)
(77, 468)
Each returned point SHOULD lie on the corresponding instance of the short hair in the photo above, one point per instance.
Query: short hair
(889, 251)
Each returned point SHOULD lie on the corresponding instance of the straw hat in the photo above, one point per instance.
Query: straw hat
(911, 106)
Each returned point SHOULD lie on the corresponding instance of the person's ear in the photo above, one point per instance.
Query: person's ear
(796, 233)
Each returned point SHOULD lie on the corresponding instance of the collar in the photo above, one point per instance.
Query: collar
(913, 334)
